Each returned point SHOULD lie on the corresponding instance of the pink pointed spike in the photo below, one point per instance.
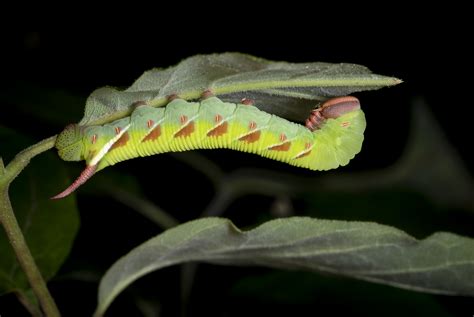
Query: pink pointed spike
(85, 175)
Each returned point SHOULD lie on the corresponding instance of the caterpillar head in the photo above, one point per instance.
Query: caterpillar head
(69, 143)
(78, 143)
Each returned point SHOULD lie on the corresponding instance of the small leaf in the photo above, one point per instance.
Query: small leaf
(48, 226)
(442, 263)
(292, 88)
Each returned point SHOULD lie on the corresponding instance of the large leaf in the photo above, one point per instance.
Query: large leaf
(292, 88)
(442, 263)
(48, 226)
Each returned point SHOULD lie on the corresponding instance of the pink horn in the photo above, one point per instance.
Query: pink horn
(85, 175)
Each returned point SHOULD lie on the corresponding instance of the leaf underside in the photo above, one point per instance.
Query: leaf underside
(289, 90)
(442, 263)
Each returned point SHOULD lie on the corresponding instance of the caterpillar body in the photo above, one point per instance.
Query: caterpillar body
(333, 134)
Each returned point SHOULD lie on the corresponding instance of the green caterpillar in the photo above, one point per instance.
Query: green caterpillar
(332, 136)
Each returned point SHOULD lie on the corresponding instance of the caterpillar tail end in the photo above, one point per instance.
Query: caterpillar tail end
(85, 175)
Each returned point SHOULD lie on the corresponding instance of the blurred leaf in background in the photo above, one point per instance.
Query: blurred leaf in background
(49, 227)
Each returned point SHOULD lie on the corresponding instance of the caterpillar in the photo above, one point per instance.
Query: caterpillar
(331, 136)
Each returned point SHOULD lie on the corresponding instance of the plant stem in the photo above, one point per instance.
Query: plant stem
(13, 230)
(145, 207)
(32, 308)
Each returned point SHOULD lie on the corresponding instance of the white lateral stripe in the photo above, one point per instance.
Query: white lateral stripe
(107, 146)
(187, 123)
(261, 129)
(218, 125)
(151, 129)
(303, 152)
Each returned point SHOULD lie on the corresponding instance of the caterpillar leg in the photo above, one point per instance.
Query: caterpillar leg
(338, 130)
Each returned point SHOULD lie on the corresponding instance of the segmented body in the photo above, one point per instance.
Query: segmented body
(212, 123)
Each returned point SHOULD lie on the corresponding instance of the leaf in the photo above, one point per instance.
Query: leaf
(233, 76)
(49, 227)
(442, 263)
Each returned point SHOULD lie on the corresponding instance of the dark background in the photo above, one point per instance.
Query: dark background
(433, 60)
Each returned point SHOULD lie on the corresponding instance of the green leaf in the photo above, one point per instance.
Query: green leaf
(48, 226)
(292, 88)
(442, 263)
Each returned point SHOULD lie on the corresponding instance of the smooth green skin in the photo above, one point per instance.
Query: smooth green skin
(335, 144)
